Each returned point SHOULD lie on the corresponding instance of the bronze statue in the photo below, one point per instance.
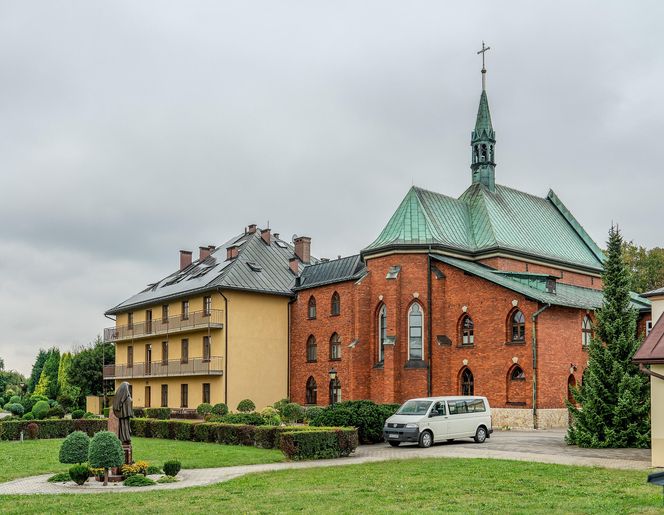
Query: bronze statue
(122, 409)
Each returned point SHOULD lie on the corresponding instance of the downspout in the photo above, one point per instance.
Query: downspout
(648, 372)
(534, 318)
(225, 345)
(429, 324)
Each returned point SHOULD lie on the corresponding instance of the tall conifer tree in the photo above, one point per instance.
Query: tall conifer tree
(614, 397)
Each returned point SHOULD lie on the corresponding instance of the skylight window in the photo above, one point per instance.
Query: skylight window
(254, 267)
(280, 244)
(393, 272)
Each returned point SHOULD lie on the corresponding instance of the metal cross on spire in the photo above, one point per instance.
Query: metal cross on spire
(483, 51)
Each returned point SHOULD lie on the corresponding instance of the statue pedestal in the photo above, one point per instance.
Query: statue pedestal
(129, 458)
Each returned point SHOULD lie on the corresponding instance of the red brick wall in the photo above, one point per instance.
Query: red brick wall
(567, 277)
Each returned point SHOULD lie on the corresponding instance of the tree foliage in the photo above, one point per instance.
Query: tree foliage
(86, 369)
(48, 379)
(614, 397)
(37, 370)
(646, 267)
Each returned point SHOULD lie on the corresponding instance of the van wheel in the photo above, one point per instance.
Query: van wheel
(426, 439)
(480, 435)
(394, 444)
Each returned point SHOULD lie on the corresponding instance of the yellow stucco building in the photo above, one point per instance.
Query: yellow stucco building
(652, 353)
(214, 331)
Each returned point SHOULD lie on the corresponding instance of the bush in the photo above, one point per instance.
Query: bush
(56, 411)
(158, 413)
(220, 409)
(153, 469)
(89, 415)
(15, 409)
(306, 445)
(75, 448)
(105, 451)
(270, 416)
(246, 406)
(106, 412)
(367, 416)
(77, 414)
(40, 409)
(312, 412)
(251, 419)
(204, 409)
(14, 399)
(293, 412)
(28, 416)
(167, 479)
(79, 474)
(140, 467)
(60, 477)
(138, 481)
(279, 406)
(172, 467)
(32, 430)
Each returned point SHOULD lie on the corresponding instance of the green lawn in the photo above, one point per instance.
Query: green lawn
(34, 457)
(415, 486)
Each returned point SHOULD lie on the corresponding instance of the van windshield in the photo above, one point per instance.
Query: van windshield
(414, 408)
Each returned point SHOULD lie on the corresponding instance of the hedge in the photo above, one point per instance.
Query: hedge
(321, 444)
(159, 413)
(367, 416)
(11, 430)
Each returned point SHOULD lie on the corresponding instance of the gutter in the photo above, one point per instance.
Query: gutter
(225, 346)
(648, 372)
(534, 319)
(429, 324)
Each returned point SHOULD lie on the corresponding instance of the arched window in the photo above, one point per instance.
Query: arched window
(312, 391)
(586, 331)
(311, 348)
(467, 330)
(517, 327)
(415, 332)
(517, 374)
(382, 332)
(335, 307)
(483, 152)
(467, 382)
(312, 307)
(335, 391)
(335, 347)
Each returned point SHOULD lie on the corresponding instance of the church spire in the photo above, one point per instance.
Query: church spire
(483, 139)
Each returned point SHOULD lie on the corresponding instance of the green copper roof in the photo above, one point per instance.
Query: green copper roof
(566, 294)
(483, 122)
(480, 221)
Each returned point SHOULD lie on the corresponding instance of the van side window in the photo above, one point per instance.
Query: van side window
(476, 406)
(440, 408)
(457, 407)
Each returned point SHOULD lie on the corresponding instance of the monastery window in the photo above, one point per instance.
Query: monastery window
(164, 353)
(312, 307)
(164, 395)
(206, 392)
(335, 347)
(207, 351)
(130, 356)
(312, 391)
(467, 330)
(185, 310)
(184, 395)
(184, 351)
(335, 391)
(207, 306)
(517, 327)
(382, 332)
(586, 331)
(311, 349)
(164, 314)
(415, 332)
(148, 321)
(466, 382)
(148, 396)
(517, 374)
(130, 320)
(336, 304)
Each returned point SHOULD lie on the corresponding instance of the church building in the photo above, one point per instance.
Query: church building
(491, 293)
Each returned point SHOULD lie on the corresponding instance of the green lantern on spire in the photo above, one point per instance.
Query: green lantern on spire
(483, 139)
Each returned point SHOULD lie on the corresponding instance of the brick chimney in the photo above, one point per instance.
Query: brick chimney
(303, 248)
(293, 263)
(185, 259)
(251, 229)
(231, 252)
(265, 234)
(203, 252)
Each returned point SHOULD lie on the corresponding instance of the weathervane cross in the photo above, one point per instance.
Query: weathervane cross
(483, 51)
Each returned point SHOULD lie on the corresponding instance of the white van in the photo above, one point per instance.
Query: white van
(436, 419)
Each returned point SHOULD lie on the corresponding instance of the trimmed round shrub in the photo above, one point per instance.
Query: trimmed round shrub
(153, 469)
(246, 406)
(172, 467)
(220, 409)
(293, 412)
(279, 406)
(28, 416)
(75, 448)
(138, 480)
(40, 409)
(56, 411)
(271, 416)
(16, 409)
(312, 412)
(77, 414)
(204, 408)
(79, 474)
(15, 399)
(105, 451)
(33, 430)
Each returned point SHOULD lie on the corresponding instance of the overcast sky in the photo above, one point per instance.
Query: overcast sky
(130, 130)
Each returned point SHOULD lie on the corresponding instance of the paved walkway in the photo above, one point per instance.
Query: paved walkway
(538, 446)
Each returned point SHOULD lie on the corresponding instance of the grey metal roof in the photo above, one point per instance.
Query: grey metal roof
(334, 271)
(654, 293)
(274, 277)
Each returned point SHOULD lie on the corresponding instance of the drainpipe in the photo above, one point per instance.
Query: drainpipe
(225, 346)
(534, 318)
(644, 370)
(429, 323)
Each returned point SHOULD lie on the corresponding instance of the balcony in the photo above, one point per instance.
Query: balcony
(171, 368)
(171, 325)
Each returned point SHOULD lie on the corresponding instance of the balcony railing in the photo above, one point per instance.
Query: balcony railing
(171, 368)
(158, 326)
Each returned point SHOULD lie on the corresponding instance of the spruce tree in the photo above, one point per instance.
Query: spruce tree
(614, 397)
(37, 370)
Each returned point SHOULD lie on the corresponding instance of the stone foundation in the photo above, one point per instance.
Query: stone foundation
(522, 418)
(552, 418)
